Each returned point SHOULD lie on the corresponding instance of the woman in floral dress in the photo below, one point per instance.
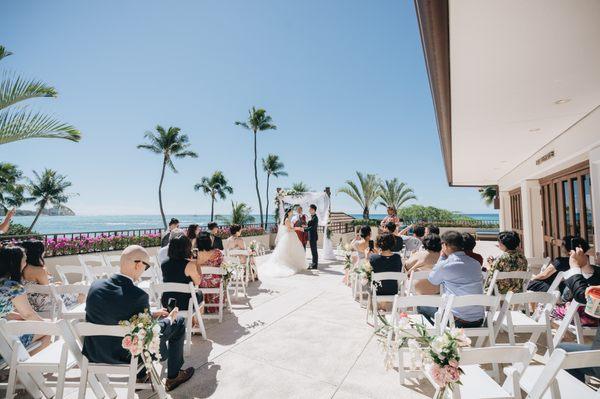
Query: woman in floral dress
(212, 258)
(512, 260)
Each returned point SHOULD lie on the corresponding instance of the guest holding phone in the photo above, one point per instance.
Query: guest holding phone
(362, 242)
(5, 225)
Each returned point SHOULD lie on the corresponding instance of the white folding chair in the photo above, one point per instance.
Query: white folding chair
(65, 271)
(377, 279)
(78, 311)
(572, 316)
(476, 383)
(514, 316)
(556, 282)
(536, 265)
(238, 280)
(98, 272)
(407, 367)
(413, 277)
(31, 383)
(499, 276)
(56, 358)
(46, 291)
(112, 260)
(490, 305)
(194, 308)
(219, 291)
(91, 260)
(249, 272)
(89, 369)
(551, 381)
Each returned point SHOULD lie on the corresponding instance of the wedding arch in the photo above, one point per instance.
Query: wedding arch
(322, 199)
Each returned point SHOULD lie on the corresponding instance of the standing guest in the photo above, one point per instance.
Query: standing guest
(5, 225)
(470, 244)
(391, 217)
(13, 299)
(512, 260)
(579, 286)
(212, 257)
(544, 279)
(192, 232)
(432, 229)
(362, 242)
(390, 228)
(116, 299)
(425, 259)
(180, 268)
(386, 261)
(216, 241)
(173, 225)
(163, 253)
(457, 274)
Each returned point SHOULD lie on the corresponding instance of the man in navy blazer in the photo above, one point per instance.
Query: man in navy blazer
(117, 298)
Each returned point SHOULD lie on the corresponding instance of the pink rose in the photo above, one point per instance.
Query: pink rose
(452, 373)
(453, 363)
(127, 342)
(438, 375)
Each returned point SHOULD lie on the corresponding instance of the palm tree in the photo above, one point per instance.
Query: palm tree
(274, 167)
(365, 193)
(395, 193)
(258, 121)
(299, 187)
(47, 188)
(171, 144)
(11, 191)
(240, 214)
(216, 185)
(22, 123)
(488, 194)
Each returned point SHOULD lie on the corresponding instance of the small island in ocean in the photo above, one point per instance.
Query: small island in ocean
(55, 211)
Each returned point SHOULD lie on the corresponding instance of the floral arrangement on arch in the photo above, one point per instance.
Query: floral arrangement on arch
(143, 339)
(437, 355)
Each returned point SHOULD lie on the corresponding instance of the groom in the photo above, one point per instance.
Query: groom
(313, 236)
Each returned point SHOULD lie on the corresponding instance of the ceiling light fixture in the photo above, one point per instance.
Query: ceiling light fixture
(562, 101)
(535, 129)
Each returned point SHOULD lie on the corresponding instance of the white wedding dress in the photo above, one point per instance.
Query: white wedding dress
(288, 257)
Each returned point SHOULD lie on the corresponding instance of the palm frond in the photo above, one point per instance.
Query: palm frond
(4, 52)
(14, 89)
(22, 124)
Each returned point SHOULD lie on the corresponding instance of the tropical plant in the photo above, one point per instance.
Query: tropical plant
(11, 191)
(488, 194)
(394, 193)
(47, 188)
(415, 213)
(365, 193)
(240, 214)
(216, 185)
(299, 187)
(170, 143)
(258, 121)
(274, 167)
(22, 123)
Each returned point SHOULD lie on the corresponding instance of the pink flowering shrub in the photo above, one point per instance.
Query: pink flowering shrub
(246, 232)
(81, 245)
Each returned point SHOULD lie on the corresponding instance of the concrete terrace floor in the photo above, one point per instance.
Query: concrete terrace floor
(301, 337)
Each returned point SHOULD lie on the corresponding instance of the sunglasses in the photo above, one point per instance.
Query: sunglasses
(146, 264)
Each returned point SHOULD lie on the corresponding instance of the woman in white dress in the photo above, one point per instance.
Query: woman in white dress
(289, 256)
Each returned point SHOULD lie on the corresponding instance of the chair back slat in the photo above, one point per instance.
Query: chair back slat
(63, 271)
(498, 354)
(212, 270)
(85, 329)
(36, 327)
(159, 289)
(383, 276)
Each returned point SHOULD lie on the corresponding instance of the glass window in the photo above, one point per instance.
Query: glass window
(575, 191)
(587, 198)
(566, 200)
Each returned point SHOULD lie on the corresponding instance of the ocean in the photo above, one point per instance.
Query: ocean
(75, 224)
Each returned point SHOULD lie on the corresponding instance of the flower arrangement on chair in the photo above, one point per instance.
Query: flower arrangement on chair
(365, 272)
(438, 355)
(143, 339)
(348, 264)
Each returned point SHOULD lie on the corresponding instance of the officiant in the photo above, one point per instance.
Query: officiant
(299, 220)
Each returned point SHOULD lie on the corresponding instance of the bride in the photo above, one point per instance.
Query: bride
(289, 256)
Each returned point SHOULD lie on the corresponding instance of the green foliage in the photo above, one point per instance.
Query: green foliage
(16, 229)
(420, 212)
(299, 187)
(240, 214)
(170, 143)
(11, 190)
(395, 193)
(363, 222)
(488, 193)
(365, 193)
(214, 186)
(47, 188)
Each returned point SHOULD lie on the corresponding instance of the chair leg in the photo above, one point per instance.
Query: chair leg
(201, 322)
(62, 371)
(131, 380)
(12, 381)
(83, 379)
(188, 335)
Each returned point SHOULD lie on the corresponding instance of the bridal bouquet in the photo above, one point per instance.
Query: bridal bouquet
(439, 355)
(143, 339)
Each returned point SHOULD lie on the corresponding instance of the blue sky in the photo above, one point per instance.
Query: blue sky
(344, 81)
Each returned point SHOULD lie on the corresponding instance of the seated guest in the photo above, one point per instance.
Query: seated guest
(180, 268)
(211, 257)
(362, 242)
(544, 279)
(5, 225)
(390, 228)
(216, 241)
(432, 229)
(413, 243)
(386, 261)
(35, 273)
(457, 274)
(235, 241)
(116, 299)
(512, 260)
(163, 253)
(390, 218)
(192, 232)
(173, 225)
(425, 259)
(13, 299)
(470, 244)
(579, 286)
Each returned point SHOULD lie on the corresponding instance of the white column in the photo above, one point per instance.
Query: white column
(533, 234)
(505, 215)
(595, 186)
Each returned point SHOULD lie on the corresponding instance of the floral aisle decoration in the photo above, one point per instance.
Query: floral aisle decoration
(143, 340)
(348, 257)
(253, 247)
(437, 355)
(365, 272)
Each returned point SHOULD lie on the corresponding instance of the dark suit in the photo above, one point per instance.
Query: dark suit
(164, 241)
(217, 242)
(313, 235)
(115, 299)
